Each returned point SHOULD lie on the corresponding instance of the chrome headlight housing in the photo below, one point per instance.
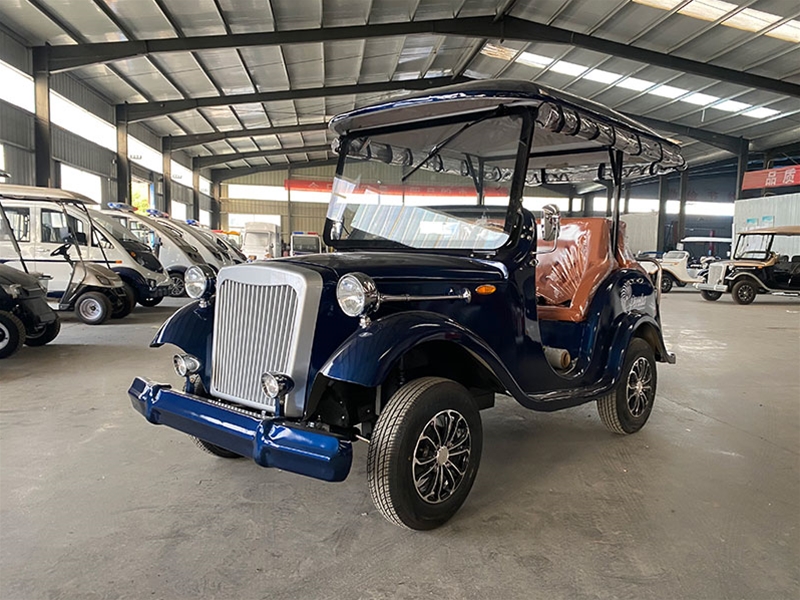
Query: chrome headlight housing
(200, 281)
(357, 294)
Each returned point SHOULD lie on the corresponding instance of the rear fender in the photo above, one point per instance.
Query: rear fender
(191, 329)
(368, 356)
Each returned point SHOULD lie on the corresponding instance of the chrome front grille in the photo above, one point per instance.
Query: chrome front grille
(716, 273)
(255, 332)
(265, 317)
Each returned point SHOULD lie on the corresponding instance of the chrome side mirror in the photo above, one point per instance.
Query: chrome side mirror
(551, 223)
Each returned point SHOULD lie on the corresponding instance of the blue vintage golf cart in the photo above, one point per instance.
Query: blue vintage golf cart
(444, 291)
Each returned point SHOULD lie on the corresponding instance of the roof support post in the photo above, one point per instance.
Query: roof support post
(123, 162)
(663, 194)
(682, 200)
(588, 202)
(196, 195)
(741, 166)
(166, 170)
(626, 206)
(43, 153)
(571, 202)
(289, 219)
(216, 217)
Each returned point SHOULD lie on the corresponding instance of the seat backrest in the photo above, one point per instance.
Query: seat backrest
(796, 258)
(567, 278)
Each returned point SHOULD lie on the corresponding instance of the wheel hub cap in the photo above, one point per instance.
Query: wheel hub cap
(639, 386)
(441, 456)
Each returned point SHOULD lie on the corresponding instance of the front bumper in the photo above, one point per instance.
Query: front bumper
(711, 287)
(270, 442)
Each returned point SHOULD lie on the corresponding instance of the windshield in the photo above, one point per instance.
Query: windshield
(117, 230)
(444, 187)
(753, 247)
(258, 239)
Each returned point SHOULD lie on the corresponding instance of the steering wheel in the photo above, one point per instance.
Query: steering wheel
(60, 251)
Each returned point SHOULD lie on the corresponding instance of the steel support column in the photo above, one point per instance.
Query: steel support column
(588, 202)
(626, 206)
(571, 207)
(123, 162)
(663, 194)
(289, 220)
(166, 170)
(682, 200)
(43, 153)
(741, 166)
(216, 206)
(196, 195)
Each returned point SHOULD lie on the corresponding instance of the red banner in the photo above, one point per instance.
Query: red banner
(310, 185)
(771, 178)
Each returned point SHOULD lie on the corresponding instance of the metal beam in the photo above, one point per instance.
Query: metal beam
(147, 110)
(186, 141)
(712, 138)
(43, 153)
(507, 28)
(663, 194)
(123, 162)
(218, 175)
(201, 162)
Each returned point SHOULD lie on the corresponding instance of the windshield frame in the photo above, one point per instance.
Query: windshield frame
(767, 251)
(512, 224)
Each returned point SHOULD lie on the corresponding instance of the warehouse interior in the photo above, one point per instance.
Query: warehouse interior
(219, 112)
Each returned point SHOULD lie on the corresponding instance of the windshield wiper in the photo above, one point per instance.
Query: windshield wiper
(442, 144)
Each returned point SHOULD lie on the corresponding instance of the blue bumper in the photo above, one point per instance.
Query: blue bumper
(271, 442)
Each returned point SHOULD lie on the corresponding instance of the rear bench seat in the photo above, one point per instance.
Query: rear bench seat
(567, 278)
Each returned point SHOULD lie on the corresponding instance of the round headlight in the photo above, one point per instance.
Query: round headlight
(199, 281)
(357, 294)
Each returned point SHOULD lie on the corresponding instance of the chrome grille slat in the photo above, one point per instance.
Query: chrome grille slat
(255, 331)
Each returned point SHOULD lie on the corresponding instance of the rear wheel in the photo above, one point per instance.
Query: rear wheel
(12, 334)
(177, 286)
(93, 308)
(710, 295)
(744, 291)
(151, 302)
(127, 304)
(627, 408)
(46, 335)
(667, 281)
(424, 453)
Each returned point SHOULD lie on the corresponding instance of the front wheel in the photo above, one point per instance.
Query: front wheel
(424, 453)
(666, 283)
(744, 292)
(710, 295)
(627, 408)
(12, 334)
(93, 308)
(177, 287)
(127, 304)
(46, 335)
(151, 302)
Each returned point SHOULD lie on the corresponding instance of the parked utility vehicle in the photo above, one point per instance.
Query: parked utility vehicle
(212, 254)
(261, 240)
(766, 261)
(427, 310)
(304, 243)
(52, 241)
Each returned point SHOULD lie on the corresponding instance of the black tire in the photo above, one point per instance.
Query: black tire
(128, 303)
(620, 413)
(177, 286)
(213, 449)
(744, 291)
(151, 302)
(48, 333)
(12, 334)
(93, 308)
(710, 295)
(418, 410)
(667, 281)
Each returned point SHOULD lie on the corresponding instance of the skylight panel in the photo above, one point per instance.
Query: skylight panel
(700, 99)
(707, 10)
(601, 76)
(751, 20)
(568, 68)
(533, 60)
(637, 85)
(732, 106)
(789, 31)
(761, 112)
(668, 91)
(497, 51)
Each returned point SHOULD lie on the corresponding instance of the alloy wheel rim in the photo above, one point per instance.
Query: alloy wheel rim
(441, 456)
(177, 286)
(639, 386)
(745, 293)
(5, 336)
(90, 309)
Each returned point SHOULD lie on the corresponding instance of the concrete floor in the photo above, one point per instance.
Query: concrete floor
(703, 503)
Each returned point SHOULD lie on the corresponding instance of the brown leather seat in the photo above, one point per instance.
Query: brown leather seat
(567, 278)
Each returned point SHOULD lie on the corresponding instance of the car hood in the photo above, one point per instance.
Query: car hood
(10, 276)
(403, 266)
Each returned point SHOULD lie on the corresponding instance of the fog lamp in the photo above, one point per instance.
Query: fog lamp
(186, 364)
(276, 385)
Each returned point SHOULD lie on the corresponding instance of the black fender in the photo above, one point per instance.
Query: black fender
(135, 279)
(191, 329)
(177, 269)
(745, 275)
(368, 356)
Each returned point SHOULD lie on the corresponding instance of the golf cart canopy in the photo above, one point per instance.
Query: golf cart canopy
(42, 194)
(573, 137)
(784, 230)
